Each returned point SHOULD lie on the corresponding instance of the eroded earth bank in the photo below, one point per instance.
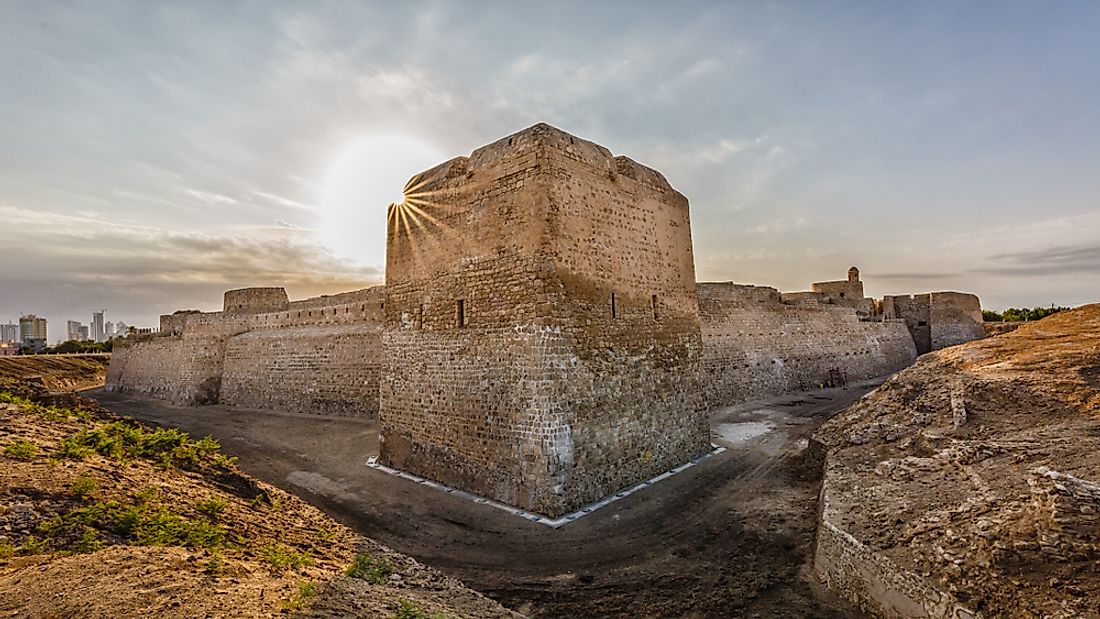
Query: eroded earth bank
(969, 484)
(731, 537)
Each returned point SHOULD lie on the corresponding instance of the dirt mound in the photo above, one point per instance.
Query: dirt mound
(101, 516)
(55, 372)
(977, 469)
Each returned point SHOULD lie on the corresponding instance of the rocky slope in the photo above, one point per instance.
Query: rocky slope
(56, 372)
(977, 469)
(103, 517)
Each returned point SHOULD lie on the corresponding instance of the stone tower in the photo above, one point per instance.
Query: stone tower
(853, 274)
(542, 336)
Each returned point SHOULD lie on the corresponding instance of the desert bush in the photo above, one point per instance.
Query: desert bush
(21, 449)
(300, 599)
(83, 487)
(411, 610)
(122, 441)
(140, 524)
(281, 558)
(211, 507)
(367, 567)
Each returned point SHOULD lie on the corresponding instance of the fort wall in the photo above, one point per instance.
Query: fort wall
(555, 364)
(541, 339)
(756, 345)
(319, 355)
(938, 319)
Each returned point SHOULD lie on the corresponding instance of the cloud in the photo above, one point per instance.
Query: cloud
(281, 201)
(210, 198)
(777, 226)
(1046, 261)
(136, 269)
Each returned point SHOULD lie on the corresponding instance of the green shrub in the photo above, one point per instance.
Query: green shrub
(32, 545)
(83, 487)
(6, 550)
(411, 610)
(89, 541)
(49, 413)
(281, 558)
(211, 507)
(21, 449)
(214, 565)
(366, 567)
(300, 599)
(148, 494)
(122, 441)
(140, 524)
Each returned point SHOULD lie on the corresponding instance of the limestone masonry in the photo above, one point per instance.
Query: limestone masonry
(541, 339)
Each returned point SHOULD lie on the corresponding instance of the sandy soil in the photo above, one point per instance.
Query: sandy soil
(730, 537)
(98, 570)
(942, 469)
(55, 372)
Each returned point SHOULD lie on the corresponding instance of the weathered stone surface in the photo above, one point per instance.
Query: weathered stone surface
(541, 339)
(542, 334)
(320, 355)
(967, 482)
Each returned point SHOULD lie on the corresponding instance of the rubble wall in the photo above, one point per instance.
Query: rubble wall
(869, 579)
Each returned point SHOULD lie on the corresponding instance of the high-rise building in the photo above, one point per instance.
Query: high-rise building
(98, 333)
(122, 329)
(9, 333)
(74, 330)
(31, 327)
(109, 329)
(32, 332)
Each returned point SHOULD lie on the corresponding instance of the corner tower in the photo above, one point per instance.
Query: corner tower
(542, 337)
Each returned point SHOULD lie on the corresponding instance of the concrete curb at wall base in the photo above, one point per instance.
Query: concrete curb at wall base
(553, 523)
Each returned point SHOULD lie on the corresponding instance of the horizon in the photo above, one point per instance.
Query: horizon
(156, 156)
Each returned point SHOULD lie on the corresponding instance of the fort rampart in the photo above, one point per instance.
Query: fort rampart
(541, 338)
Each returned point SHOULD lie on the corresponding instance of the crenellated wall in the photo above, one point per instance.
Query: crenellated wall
(541, 338)
(319, 355)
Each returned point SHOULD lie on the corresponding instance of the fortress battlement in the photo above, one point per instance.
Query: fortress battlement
(541, 338)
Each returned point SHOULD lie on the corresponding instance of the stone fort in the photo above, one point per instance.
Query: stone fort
(541, 339)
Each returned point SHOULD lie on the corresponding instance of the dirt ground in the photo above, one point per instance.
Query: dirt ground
(730, 537)
(166, 532)
(978, 469)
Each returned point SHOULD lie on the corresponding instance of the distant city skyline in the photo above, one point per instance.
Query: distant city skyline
(154, 155)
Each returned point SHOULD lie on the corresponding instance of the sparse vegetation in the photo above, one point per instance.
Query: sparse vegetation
(122, 441)
(140, 524)
(49, 413)
(367, 567)
(6, 550)
(21, 449)
(83, 487)
(411, 610)
(301, 598)
(281, 558)
(211, 507)
(32, 545)
(214, 565)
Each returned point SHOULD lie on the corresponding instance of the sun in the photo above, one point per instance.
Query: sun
(366, 177)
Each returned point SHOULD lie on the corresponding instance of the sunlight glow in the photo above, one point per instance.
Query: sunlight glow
(364, 179)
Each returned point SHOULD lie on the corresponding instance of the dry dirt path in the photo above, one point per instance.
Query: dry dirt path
(728, 538)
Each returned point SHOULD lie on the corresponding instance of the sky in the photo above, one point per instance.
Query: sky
(154, 155)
